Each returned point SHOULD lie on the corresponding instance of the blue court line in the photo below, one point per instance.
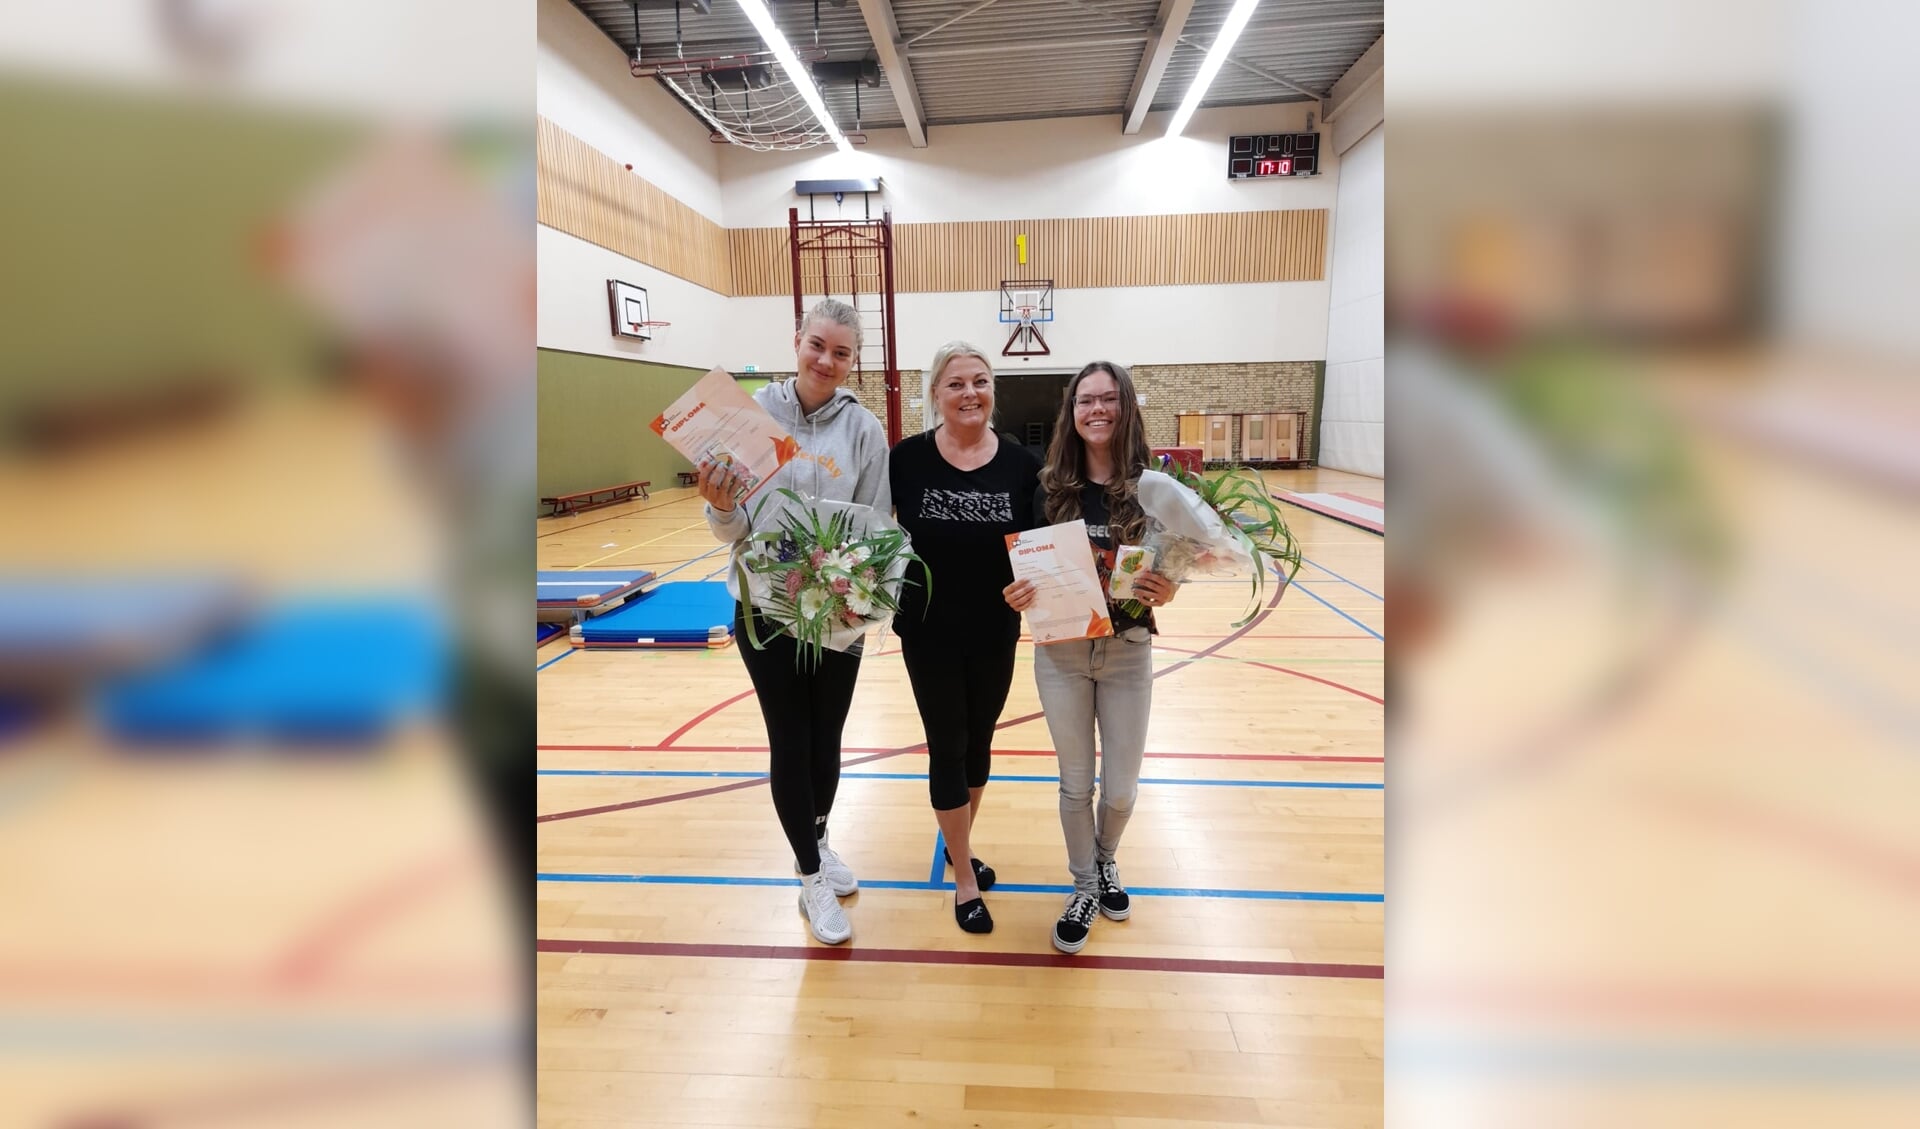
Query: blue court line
(939, 858)
(1312, 595)
(1344, 580)
(922, 776)
(688, 561)
(1006, 887)
(554, 659)
(1656, 1060)
(349, 1038)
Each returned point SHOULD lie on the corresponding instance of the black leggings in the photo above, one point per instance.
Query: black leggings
(805, 710)
(960, 682)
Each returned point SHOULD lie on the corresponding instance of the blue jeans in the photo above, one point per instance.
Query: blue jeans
(1108, 684)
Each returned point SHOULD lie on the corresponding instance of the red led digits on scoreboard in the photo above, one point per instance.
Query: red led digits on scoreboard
(1279, 166)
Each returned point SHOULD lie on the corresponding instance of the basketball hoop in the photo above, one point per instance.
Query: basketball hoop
(636, 325)
(1026, 304)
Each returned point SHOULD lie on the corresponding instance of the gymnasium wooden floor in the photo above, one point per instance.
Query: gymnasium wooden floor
(677, 981)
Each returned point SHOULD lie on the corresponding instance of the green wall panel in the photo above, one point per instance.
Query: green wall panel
(594, 417)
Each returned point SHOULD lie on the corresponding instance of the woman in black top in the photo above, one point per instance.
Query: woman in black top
(959, 489)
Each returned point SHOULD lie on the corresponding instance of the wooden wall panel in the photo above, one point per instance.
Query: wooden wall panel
(585, 193)
(1182, 250)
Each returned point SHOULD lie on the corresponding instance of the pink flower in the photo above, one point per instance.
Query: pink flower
(793, 583)
(840, 585)
(818, 558)
(852, 619)
(867, 575)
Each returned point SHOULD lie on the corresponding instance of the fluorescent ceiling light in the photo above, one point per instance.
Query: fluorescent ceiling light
(757, 12)
(1216, 55)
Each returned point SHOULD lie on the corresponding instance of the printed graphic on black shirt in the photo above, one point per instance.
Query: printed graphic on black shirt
(966, 505)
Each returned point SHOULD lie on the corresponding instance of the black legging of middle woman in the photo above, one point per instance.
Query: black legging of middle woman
(959, 489)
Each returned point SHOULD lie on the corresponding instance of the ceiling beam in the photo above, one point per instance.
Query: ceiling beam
(1161, 40)
(1013, 46)
(939, 27)
(1364, 73)
(885, 31)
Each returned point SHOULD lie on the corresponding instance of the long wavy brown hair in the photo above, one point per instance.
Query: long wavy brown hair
(1065, 474)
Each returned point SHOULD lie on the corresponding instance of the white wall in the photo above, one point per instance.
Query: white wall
(1134, 325)
(584, 87)
(1353, 413)
(1052, 169)
(573, 307)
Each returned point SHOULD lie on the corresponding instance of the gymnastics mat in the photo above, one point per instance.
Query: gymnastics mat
(545, 631)
(682, 613)
(588, 588)
(58, 631)
(1350, 508)
(305, 671)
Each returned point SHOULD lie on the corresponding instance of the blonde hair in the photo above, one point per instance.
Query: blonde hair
(838, 312)
(942, 357)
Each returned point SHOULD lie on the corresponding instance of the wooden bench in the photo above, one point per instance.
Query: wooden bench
(592, 499)
(687, 477)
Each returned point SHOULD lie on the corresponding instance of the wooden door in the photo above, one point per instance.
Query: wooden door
(1219, 445)
(1256, 432)
(1193, 430)
(1286, 436)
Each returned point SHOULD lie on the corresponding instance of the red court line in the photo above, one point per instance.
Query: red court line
(1357, 498)
(678, 733)
(1295, 673)
(933, 956)
(652, 800)
(1828, 842)
(1005, 724)
(308, 958)
(996, 752)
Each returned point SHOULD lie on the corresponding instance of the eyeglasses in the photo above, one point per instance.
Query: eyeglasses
(1107, 401)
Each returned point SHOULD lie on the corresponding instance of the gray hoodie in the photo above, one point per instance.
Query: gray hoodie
(843, 458)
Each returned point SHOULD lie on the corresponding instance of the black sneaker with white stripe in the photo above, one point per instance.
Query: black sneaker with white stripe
(1113, 896)
(1070, 932)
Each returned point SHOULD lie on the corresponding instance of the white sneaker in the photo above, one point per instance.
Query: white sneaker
(839, 874)
(824, 915)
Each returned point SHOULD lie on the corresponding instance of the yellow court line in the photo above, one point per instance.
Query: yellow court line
(641, 545)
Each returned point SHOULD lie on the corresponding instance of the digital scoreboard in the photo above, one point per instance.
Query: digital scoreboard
(1256, 155)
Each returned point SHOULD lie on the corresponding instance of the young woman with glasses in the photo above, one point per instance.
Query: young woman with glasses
(1092, 472)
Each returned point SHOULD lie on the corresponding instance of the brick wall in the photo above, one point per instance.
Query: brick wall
(871, 388)
(1267, 386)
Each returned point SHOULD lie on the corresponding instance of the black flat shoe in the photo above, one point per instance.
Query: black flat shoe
(973, 916)
(982, 873)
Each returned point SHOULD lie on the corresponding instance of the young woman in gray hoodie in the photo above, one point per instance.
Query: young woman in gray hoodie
(843, 457)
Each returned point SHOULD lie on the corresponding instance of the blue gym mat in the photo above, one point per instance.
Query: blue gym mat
(678, 613)
(545, 631)
(62, 629)
(313, 670)
(587, 588)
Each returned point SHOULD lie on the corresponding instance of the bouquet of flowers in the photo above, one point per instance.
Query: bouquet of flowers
(1198, 525)
(826, 573)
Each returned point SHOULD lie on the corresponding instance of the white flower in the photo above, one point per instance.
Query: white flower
(840, 559)
(811, 601)
(859, 554)
(860, 601)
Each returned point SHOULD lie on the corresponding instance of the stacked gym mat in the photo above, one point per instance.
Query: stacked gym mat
(690, 613)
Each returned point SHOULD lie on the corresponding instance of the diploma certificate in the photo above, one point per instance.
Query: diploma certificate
(714, 421)
(1068, 600)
